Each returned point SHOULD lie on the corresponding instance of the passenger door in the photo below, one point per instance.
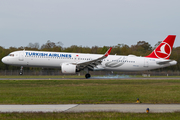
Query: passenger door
(21, 56)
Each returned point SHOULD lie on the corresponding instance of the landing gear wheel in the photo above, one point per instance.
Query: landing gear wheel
(21, 71)
(87, 75)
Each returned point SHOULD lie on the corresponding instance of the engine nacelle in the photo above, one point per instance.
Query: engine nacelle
(67, 68)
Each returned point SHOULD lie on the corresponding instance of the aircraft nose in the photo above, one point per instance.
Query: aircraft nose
(4, 60)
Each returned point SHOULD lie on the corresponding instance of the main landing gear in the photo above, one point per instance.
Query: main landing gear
(87, 75)
(21, 71)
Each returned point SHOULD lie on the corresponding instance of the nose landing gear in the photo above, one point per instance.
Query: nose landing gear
(21, 71)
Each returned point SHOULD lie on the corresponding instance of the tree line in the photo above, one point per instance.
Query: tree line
(142, 48)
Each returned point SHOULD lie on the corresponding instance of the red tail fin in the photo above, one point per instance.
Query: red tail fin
(164, 49)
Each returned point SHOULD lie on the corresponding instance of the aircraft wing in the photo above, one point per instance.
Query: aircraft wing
(93, 63)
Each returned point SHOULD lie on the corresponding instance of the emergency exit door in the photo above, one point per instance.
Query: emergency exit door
(146, 63)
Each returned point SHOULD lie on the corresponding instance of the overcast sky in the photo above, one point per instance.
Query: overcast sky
(88, 22)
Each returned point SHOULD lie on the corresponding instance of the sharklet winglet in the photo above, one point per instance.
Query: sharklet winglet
(108, 52)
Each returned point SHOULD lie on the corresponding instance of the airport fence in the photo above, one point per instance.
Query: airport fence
(97, 73)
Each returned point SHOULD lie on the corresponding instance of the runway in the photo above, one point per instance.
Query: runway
(97, 78)
(124, 108)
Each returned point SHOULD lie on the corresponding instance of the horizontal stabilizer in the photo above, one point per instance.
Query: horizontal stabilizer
(162, 62)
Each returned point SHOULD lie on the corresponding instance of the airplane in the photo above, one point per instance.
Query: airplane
(71, 63)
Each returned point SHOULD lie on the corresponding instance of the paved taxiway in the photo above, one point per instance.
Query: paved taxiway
(126, 108)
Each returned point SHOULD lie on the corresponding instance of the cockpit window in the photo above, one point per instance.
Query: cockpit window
(12, 55)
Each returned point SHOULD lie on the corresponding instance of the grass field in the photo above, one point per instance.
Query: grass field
(89, 116)
(88, 91)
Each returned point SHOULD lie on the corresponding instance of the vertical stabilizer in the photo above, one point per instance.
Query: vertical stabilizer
(164, 49)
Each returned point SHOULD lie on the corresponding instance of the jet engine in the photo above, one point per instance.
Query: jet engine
(67, 68)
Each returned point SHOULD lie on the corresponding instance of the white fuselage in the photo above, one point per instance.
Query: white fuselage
(55, 60)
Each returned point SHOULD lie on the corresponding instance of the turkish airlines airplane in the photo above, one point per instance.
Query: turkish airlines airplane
(71, 63)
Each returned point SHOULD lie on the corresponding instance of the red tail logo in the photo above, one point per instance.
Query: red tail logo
(164, 49)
